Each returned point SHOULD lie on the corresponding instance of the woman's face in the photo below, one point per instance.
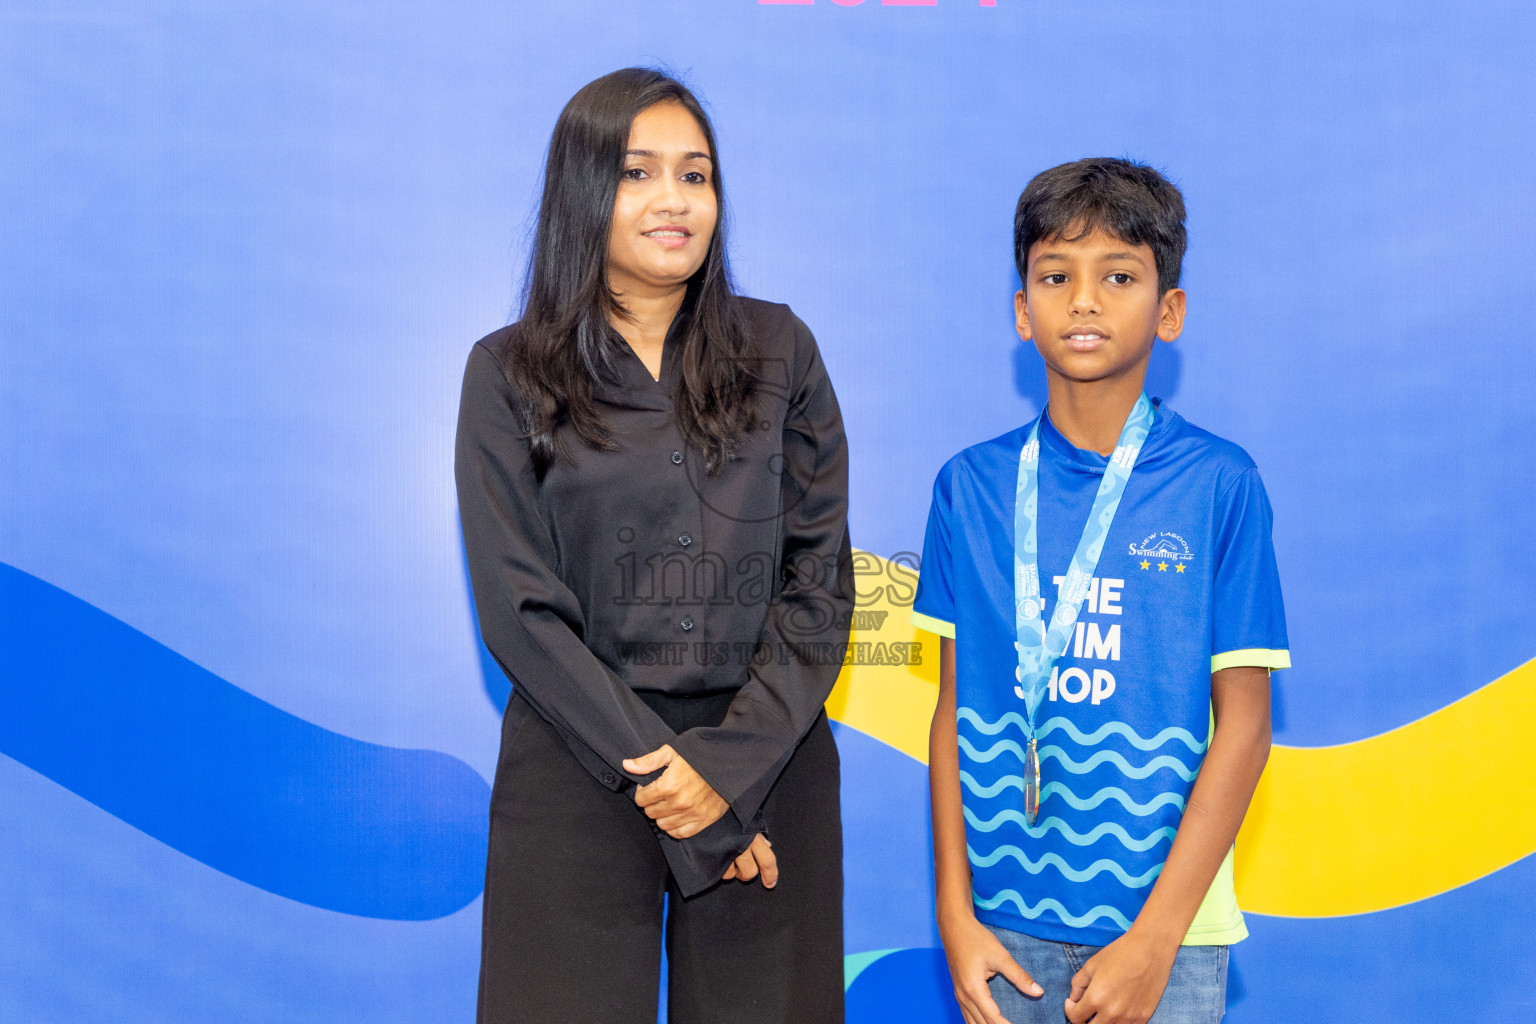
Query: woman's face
(665, 212)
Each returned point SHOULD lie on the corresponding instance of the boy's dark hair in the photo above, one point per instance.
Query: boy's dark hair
(1126, 199)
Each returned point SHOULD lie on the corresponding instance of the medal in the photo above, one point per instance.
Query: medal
(1031, 783)
(1039, 646)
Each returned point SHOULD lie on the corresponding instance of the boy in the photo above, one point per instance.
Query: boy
(1081, 861)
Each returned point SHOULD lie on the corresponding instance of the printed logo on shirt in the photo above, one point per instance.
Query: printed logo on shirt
(1162, 551)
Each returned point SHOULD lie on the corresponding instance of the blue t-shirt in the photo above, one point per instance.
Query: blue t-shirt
(1186, 585)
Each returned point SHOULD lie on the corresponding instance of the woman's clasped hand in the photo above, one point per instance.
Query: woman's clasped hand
(680, 802)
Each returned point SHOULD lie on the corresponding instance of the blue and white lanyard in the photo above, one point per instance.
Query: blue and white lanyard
(1039, 647)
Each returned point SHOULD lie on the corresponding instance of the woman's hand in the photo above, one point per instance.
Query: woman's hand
(755, 860)
(681, 802)
(975, 955)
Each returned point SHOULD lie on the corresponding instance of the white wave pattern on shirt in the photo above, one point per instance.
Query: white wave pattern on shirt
(1034, 867)
(1079, 803)
(1173, 764)
(1131, 736)
(1071, 835)
(1075, 920)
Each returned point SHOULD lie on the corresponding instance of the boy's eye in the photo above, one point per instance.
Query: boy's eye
(1120, 278)
(1054, 279)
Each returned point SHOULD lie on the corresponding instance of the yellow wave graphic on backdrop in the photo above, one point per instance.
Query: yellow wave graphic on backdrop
(1348, 829)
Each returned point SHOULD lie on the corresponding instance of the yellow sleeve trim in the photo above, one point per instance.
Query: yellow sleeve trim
(1252, 657)
(933, 625)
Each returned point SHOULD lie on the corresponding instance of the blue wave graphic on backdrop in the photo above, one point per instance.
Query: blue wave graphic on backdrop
(226, 778)
(906, 985)
(1034, 867)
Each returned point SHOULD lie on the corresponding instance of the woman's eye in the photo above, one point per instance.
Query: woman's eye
(695, 178)
(634, 173)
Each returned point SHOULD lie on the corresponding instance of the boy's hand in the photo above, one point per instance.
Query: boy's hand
(975, 956)
(757, 859)
(1121, 983)
(681, 802)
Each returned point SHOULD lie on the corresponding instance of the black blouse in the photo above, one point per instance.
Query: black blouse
(634, 570)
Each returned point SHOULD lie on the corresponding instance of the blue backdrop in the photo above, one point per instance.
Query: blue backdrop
(245, 247)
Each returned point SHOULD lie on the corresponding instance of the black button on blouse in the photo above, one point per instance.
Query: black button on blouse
(579, 577)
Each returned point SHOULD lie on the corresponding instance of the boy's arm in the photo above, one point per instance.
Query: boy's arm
(974, 953)
(1125, 980)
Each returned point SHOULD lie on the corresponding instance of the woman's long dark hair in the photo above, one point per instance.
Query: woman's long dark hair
(565, 342)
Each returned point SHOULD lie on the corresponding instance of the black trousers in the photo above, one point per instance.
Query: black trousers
(575, 884)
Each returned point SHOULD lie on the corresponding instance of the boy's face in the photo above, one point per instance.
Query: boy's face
(1092, 309)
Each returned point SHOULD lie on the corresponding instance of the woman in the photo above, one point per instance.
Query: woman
(652, 482)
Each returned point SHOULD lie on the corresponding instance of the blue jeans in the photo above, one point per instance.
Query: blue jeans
(1196, 992)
